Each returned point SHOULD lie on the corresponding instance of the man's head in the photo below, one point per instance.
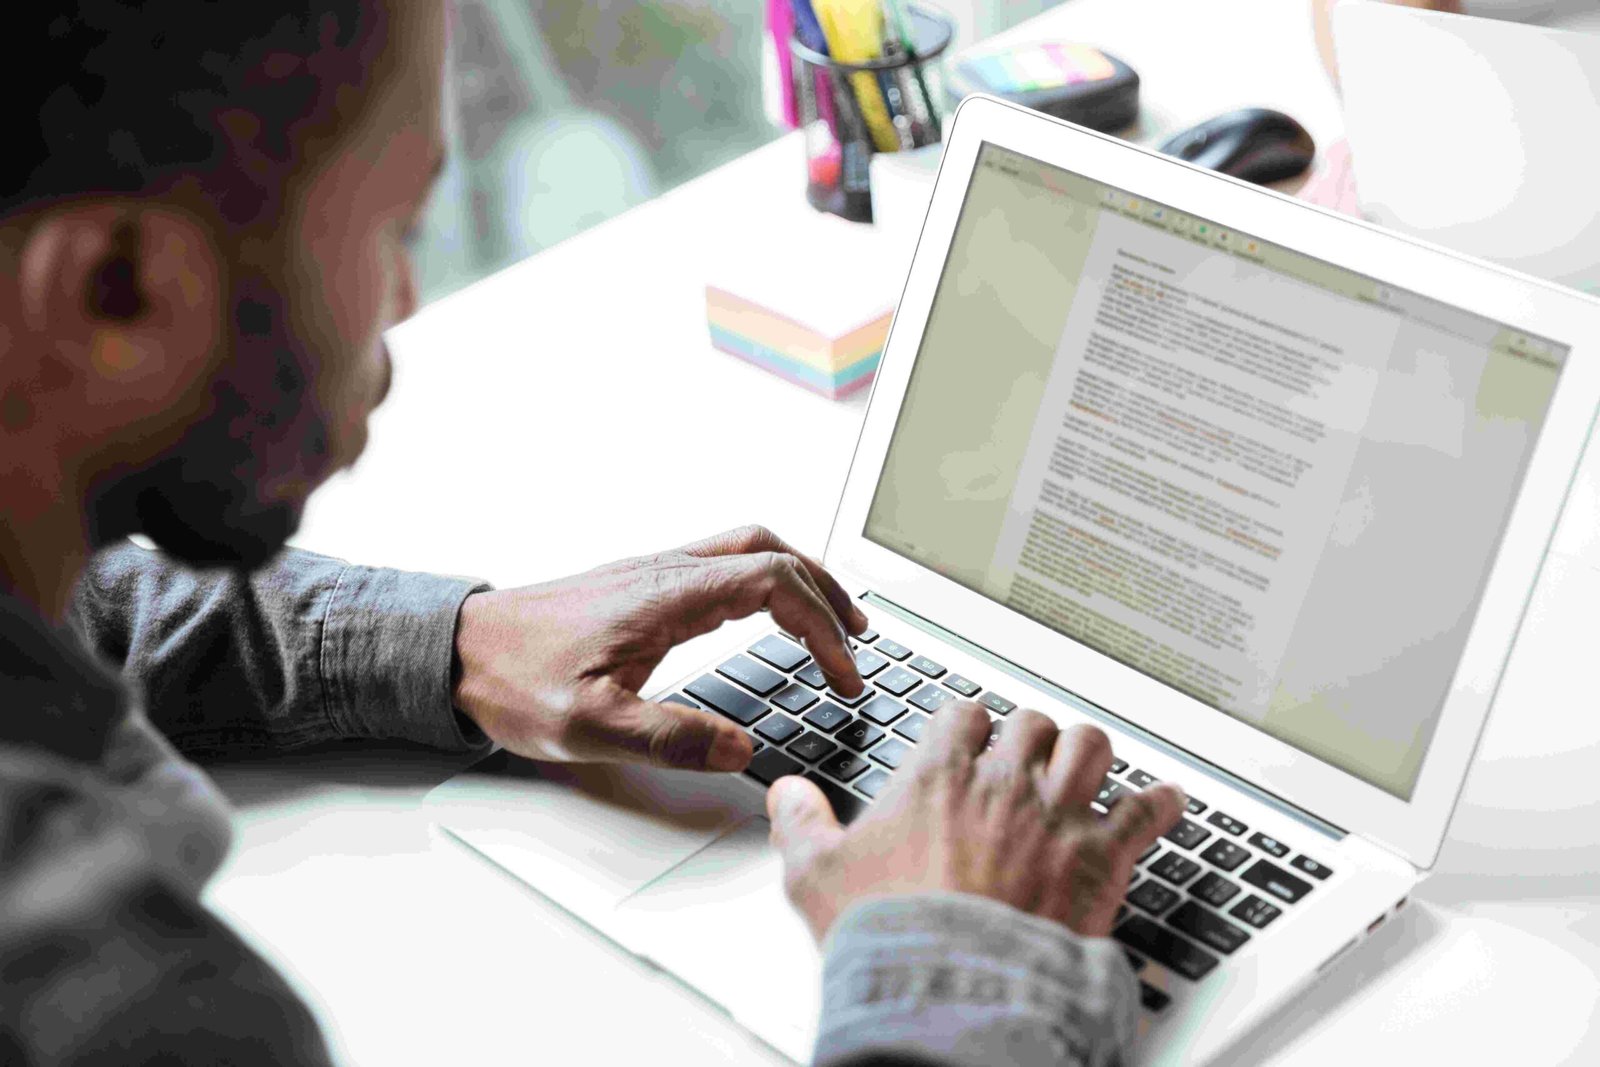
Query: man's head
(203, 223)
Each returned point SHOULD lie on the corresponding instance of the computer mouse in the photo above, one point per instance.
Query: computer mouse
(1254, 143)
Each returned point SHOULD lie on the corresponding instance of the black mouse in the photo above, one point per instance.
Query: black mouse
(1254, 143)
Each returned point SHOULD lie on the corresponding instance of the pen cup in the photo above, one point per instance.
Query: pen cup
(848, 111)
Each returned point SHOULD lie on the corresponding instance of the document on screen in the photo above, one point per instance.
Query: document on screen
(1191, 450)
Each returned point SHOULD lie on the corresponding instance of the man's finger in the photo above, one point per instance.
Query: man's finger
(1139, 818)
(755, 539)
(797, 608)
(1079, 764)
(802, 819)
(960, 730)
(1026, 740)
(664, 734)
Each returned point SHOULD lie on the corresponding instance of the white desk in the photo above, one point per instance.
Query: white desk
(570, 410)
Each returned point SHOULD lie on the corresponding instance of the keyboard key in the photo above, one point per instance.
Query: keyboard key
(718, 695)
(1117, 765)
(1269, 844)
(882, 710)
(1310, 866)
(869, 662)
(1227, 822)
(843, 765)
(997, 703)
(893, 649)
(850, 702)
(1122, 913)
(1110, 793)
(812, 747)
(859, 735)
(1141, 779)
(1207, 927)
(930, 697)
(1152, 998)
(1165, 947)
(1195, 806)
(868, 635)
(911, 727)
(892, 753)
(1214, 889)
(1226, 855)
(756, 746)
(1264, 874)
(778, 728)
(679, 698)
(1152, 896)
(768, 765)
(1135, 960)
(795, 698)
(1255, 911)
(1150, 850)
(965, 686)
(779, 653)
(846, 805)
(1186, 834)
(752, 675)
(812, 676)
(1174, 868)
(827, 717)
(898, 680)
(874, 783)
(994, 732)
(927, 666)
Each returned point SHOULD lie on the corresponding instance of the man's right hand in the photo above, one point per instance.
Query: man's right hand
(1013, 824)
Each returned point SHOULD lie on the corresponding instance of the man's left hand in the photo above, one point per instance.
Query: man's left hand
(553, 671)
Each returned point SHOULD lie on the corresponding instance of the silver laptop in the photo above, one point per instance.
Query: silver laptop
(1260, 490)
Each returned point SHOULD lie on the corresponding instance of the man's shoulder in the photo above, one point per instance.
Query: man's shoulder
(57, 697)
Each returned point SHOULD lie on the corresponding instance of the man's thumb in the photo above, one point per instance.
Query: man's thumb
(674, 735)
(801, 817)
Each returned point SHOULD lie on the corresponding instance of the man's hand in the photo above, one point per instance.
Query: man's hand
(1013, 824)
(553, 671)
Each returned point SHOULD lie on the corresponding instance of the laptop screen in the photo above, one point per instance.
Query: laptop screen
(1268, 482)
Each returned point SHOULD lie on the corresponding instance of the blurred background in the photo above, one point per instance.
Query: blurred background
(567, 112)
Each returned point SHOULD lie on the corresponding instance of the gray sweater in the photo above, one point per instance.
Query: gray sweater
(108, 834)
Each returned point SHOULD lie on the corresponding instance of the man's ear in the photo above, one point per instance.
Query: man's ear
(128, 298)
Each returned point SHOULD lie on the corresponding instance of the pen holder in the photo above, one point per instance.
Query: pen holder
(848, 111)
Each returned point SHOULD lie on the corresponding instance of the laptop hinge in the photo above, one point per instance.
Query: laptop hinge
(1095, 711)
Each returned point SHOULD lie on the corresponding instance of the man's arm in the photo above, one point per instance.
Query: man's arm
(953, 979)
(104, 957)
(310, 649)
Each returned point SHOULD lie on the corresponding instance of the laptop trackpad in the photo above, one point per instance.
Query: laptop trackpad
(720, 922)
(588, 835)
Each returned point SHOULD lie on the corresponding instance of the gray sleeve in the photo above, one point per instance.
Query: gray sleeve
(104, 959)
(309, 649)
(952, 980)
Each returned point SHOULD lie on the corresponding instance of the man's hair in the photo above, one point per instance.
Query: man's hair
(109, 97)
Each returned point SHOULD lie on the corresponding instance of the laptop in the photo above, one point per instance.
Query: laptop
(1492, 153)
(1260, 490)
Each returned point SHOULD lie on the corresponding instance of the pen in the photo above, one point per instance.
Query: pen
(902, 26)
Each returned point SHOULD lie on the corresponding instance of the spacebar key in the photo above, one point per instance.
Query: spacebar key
(1165, 947)
(846, 805)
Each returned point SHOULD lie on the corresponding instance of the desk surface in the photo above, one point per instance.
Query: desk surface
(570, 410)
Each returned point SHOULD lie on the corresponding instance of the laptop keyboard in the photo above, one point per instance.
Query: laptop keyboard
(1198, 895)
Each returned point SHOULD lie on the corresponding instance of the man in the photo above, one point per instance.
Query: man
(203, 215)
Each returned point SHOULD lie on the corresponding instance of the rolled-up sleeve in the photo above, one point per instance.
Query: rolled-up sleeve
(309, 649)
(952, 980)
